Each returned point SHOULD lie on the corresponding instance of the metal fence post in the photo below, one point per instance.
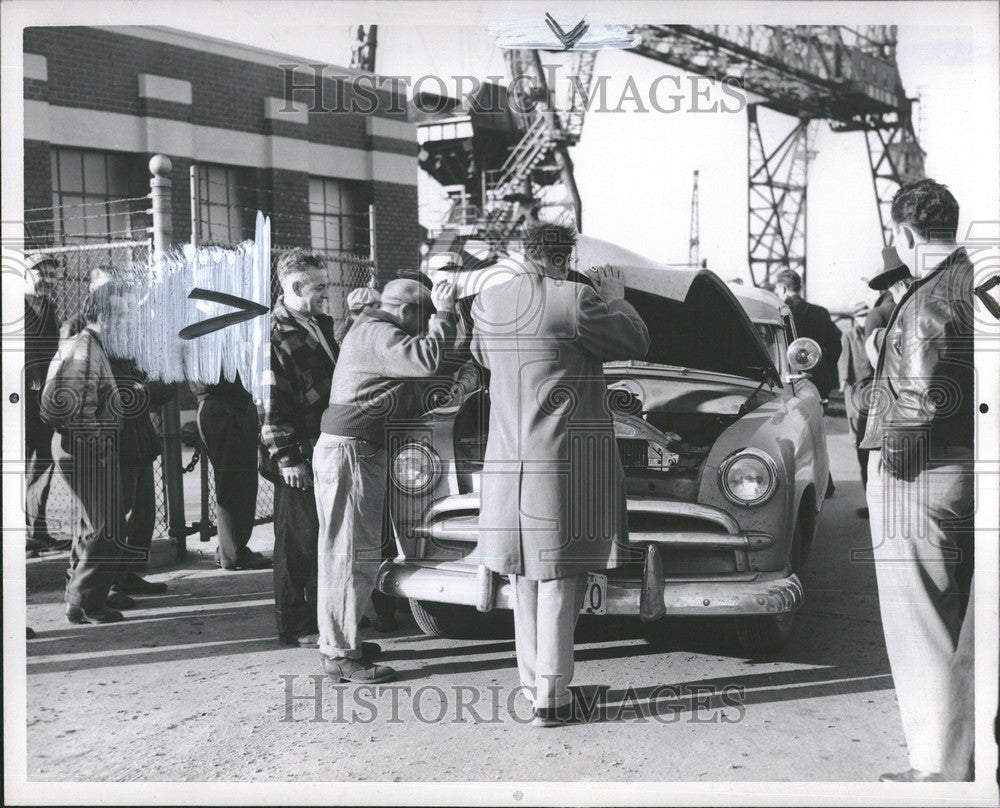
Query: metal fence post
(372, 252)
(204, 518)
(170, 414)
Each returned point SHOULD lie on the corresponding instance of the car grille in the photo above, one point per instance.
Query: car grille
(634, 453)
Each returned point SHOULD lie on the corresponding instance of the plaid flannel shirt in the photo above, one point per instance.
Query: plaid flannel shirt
(297, 390)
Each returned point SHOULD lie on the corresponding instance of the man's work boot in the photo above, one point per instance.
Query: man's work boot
(133, 584)
(77, 614)
(357, 671)
(119, 600)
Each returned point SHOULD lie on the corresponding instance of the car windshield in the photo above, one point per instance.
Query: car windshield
(770, 334)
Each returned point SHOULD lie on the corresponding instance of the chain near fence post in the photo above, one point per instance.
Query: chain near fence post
(205, 517)
(170, 417)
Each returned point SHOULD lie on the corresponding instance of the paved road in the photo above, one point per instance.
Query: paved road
(194, 687)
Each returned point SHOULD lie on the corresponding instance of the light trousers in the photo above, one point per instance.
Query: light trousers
(545, 615)
(922, 541)
(350, 480)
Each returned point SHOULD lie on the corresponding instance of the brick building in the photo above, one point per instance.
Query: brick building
(99, 102)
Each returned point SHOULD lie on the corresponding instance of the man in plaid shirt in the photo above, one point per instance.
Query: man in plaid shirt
(303, 355)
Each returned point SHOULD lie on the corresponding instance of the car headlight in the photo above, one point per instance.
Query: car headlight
(748, 477)
(415, 468)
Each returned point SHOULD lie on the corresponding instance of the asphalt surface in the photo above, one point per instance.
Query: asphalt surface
(195, 687)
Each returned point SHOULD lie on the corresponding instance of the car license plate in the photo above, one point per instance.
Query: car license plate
(596, 599)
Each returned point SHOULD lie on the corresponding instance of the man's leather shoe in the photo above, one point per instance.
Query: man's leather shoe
(553, 716)
(119, 600)
(911, 776)
(357, 671)
(248, 561)
(134, 584)
(862, 513)
(76, 614)
(300, 640)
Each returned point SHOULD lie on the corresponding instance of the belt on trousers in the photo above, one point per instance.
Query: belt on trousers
(350, 439)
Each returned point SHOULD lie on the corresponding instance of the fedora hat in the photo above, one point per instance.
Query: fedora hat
(893, 270)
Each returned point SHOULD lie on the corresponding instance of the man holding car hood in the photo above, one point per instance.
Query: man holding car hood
(553, 502)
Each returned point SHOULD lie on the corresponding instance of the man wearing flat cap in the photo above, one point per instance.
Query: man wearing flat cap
(381, 359)
(41, 339)
(891, 283)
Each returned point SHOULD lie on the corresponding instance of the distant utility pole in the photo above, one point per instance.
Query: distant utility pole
(694, 240)
(363, 50)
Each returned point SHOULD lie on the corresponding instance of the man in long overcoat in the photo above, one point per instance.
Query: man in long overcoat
(553, 495)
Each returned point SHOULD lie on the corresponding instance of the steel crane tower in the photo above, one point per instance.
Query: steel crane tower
(847, 76)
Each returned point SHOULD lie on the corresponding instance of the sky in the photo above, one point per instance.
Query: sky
(634, 170)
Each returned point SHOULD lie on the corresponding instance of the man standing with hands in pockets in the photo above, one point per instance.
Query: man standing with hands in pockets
(553, 492)
(381, 358)
(303, 355)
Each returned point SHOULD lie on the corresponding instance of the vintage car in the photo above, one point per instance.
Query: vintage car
(721, 437)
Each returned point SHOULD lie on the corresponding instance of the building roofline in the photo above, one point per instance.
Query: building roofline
(224, 47)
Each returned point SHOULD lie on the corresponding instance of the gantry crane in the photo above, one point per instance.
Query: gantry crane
(847, 76)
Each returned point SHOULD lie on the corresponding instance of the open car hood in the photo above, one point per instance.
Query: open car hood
(694, 319)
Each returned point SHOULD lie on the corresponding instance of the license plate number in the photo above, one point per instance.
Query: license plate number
(596, 599)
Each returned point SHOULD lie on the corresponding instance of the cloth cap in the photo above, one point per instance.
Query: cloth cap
(893, 270)
(402, 291)
(365, 296)
(36, 260)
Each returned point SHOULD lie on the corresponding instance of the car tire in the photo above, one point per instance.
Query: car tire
(757, 635)
(461, 622)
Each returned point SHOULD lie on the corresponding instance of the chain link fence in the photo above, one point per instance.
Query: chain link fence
(221, 219)
(76, 266)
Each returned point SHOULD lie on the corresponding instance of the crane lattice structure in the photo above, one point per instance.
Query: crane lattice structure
(845, 75)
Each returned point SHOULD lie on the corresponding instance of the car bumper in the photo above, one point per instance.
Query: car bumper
(648, 596)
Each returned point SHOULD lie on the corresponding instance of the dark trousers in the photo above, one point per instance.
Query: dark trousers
(296, 539)
(230, 432)
(859, 435)
(139, 500)
(385, 605)
(89, 464)
(39, 466)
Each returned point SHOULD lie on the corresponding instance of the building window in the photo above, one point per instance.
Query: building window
(224, 198)
(338, 215)
(91, 193)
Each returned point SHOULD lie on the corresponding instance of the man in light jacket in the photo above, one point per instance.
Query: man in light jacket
(553, 492)
(375, 382)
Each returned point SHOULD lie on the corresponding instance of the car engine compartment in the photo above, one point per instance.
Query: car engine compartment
(664, 428)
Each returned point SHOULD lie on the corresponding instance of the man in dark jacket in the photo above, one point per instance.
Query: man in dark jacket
(303, 356)
(138, 447)
(814, 322)
(230, 433)
(41, 339)
(81, 400)
(921, 487)
(376, 381)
